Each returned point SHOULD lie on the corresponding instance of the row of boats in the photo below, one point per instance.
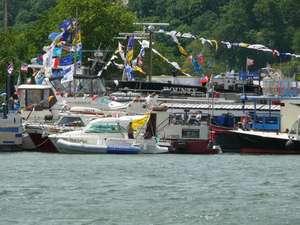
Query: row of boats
(52, 122)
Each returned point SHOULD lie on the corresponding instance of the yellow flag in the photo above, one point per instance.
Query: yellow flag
(77, 39)
(138, 69)
(182, 50)
(129, 55)
(139, 123)
(216, 44)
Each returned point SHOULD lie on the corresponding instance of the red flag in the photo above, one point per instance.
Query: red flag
(55, 63)
(204, 80)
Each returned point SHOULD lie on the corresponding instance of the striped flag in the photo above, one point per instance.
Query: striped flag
(10, 69)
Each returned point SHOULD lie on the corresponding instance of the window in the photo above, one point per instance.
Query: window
(71, 122)
(190, 133)
(102, 127)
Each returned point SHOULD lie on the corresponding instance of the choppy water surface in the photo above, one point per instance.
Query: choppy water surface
(60, 189)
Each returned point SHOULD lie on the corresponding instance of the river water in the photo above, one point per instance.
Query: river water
(44, 189)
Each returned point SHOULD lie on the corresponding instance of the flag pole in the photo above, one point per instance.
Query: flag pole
(150, 29)
(245, 77)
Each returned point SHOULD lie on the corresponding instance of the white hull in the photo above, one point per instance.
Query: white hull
(10, 133)
(112, 146)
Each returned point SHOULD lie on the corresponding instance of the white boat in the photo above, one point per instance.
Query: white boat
(10, 132)
(108, 135)
(41, 101)
(76, 118)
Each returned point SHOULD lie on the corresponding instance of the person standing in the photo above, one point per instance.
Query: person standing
(130, 131)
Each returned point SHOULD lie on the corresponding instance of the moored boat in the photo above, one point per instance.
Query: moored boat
(187, 132)
(74, 119)
(260, 142)
(10, 132)
(107, 135)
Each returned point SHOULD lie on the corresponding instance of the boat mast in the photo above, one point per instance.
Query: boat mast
(138, 35)
(150, 28)
(147, 33)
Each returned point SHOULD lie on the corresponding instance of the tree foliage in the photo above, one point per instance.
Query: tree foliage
(273, 23)
(100, 21)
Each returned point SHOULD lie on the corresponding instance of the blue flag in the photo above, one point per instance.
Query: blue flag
(66, 61)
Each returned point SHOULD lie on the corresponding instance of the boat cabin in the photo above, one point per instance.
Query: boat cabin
(182, 125)
(36, 96)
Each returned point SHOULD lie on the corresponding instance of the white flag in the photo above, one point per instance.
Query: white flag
(67, 73)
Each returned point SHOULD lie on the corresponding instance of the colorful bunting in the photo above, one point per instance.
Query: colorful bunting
(214, 43)
(65, 50)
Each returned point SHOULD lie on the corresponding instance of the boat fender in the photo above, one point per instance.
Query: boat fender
(289, 144)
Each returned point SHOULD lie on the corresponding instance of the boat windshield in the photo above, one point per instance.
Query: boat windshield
(104, 128)
(70, 121)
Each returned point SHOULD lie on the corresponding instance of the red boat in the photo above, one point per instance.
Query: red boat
(188, 133)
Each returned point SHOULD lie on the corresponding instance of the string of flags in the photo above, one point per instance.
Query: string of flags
(215, 44)
(198, 61)
(131, 65)
(63, 55)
